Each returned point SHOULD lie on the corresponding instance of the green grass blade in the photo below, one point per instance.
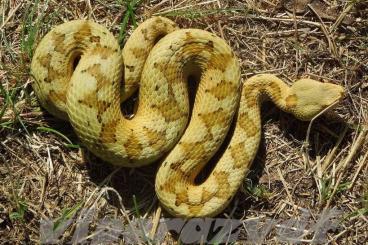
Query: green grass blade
(51, 130)
(67, 214)
(129, 14)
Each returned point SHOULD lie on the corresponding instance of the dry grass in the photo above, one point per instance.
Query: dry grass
(44, 173)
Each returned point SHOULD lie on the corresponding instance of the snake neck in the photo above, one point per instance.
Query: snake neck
(263, 87)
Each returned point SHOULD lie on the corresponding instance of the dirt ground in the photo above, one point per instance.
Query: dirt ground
(314, 173)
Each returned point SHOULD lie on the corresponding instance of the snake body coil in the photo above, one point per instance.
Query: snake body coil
(158, 58)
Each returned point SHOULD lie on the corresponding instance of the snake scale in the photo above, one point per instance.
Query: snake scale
(158, 59)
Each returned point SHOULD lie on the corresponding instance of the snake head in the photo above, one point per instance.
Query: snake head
(309, 97)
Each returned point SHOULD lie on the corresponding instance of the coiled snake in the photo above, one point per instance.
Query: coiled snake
(158, 58)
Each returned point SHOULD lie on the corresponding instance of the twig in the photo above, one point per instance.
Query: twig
(361, 165)
(331, 155)
(286, 187)
(341, 17)
(331, 43)
(354, 148)
(155, 223)
(11, 15)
